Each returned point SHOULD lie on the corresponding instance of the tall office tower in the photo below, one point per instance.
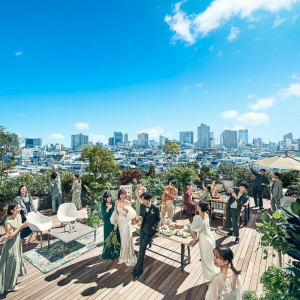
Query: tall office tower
(126, 138)
(186, 137)
(162, 140)
(288, 136)
(230, 138)
(31, 143)
(118, 136)
(203, 133)
(78, 140)
(243, 136)
(221, 140)
(111, 141)
(143, 139)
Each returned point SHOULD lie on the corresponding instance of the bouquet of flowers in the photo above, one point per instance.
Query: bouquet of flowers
(112, 242)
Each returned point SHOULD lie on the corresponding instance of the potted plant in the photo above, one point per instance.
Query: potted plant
(227, 173)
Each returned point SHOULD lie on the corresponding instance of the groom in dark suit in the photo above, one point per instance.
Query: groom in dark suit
(151, 218)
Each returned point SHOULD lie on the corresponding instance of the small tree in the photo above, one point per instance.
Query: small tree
(172, 149)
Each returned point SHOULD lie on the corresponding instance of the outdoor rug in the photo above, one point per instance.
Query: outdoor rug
(47, 260)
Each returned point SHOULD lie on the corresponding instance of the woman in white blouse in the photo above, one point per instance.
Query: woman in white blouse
(227, 284)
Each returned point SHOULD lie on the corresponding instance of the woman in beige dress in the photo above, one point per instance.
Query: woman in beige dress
(140, 190)
(76, 191)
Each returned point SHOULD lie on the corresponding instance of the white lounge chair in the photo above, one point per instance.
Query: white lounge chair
(38, 223)
(67, 213)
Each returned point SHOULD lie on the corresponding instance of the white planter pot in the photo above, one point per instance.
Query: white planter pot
(228, 184)
(36, 203)
(219, 187)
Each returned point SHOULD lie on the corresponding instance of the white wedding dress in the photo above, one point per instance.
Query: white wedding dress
(127, 254)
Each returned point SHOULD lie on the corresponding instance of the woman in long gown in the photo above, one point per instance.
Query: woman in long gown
(122, 208)
(76, 191)
(138, 194)
(11, 263)
(201, 230)
(187, 200)
(107, 208)
(227, 284)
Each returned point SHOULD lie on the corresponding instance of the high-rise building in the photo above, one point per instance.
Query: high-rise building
(143, 139)
(31, 143)
(111, 141)
(257, 142)
(288, 136)
(118, 136)
(126, 138)
(186, 137)
(78, 140)
(230, 138)
(203, 133)
(162, 140)
(243, 136)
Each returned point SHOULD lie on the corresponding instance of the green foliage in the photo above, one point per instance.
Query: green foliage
(151, 171)
(206, 175)
(250, 295)
(66, 179)
(100, 164)
(183, 176)
(226, 171)
(94, 220)
(154, 186)
(290, 178)
(243, 174)
(172, 149)
(112, 241)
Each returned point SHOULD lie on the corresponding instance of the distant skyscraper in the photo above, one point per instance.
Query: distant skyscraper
(257, 142)
(203, 133)
(125, 138)
(118, 136)
(111, 141)
(78, 140)
(186, 137)
(143, 139)
(230, 138)
(288, 136)
(221, 140)
(162, 140)
(31, 143)
(243, 136)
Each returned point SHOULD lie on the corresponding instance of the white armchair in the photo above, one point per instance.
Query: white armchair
(67, 213)
(38, 223)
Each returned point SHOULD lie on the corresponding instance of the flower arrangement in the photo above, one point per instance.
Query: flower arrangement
(112, 241)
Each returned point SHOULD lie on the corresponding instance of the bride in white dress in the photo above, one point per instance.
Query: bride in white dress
(201, 230)
(121, 218)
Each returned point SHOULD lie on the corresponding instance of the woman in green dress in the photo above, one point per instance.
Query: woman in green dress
(207, 194)
(76, 191)
(107, 209)
(11, 263)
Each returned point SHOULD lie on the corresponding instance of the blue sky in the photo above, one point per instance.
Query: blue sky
(149, 65)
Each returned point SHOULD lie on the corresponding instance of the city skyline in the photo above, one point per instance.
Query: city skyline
(148, 66)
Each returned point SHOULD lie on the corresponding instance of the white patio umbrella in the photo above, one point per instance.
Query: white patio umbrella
(283, 161)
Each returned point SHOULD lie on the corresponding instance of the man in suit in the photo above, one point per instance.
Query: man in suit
(276, 192)
(259, 184)
(151, 217)
(238, 197)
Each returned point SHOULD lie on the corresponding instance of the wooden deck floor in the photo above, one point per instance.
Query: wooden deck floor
(90, 277)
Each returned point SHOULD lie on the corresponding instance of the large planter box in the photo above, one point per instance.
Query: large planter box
(228, 184)
(219, 187)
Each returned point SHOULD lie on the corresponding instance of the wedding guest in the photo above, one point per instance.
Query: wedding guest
(276, 192)
(259, 184)
(55, 189)
(202, 233)
(206, 197)
(187, 200)
(227, 284)
(238, 197)
(214, 192)
(122, 214)
(140, 189)
(25, 201)
(11, 263)
(76, 191)
(107, 209)
(151, 217)
(169, 195)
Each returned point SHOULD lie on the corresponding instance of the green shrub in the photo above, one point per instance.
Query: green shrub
(94, 220)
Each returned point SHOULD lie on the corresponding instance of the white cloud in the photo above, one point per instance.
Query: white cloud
(294, 19)
(82, 126)
(250, 96)
(98, 138)
(220, 53)
(253, 118)
(229, 114)
(292, 90)
(18, 53)
(200, 85)
(278, 21)
(251, 27)
(296, 76)
(154, 132)
(234, 31)
(189, 27)
(56, 136)
(262, 103)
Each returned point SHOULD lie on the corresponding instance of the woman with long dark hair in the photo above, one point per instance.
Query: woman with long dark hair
(227, 284)
(11, 263)
(76, 191)
(107, 208)
(25, 201)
